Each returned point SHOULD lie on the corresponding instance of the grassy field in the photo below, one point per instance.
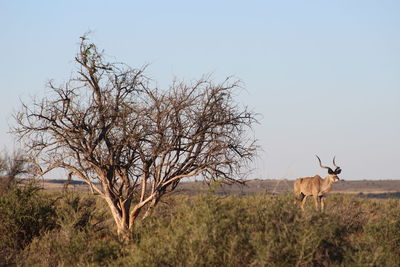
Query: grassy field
(54, 228)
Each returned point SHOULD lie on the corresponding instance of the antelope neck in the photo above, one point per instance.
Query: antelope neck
(326, 184)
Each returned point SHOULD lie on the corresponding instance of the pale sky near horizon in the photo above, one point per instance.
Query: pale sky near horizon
(323, 75)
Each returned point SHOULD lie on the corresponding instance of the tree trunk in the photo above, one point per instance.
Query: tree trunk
(149, 211)
(133, 216)
(121, 222)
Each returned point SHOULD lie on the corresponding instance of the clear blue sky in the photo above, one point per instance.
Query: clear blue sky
(324, 75)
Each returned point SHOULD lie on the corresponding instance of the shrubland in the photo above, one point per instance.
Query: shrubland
(76, 229)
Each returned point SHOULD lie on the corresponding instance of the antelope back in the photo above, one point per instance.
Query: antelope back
(308, 185)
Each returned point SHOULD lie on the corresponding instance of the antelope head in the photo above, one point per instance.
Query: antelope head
(332, 174)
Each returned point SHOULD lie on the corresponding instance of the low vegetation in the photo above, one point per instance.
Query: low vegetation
(63, 229)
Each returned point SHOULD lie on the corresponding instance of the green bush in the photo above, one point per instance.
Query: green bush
(24, 215)
(79, 239)
(63, 248)
(207, 230)
(202, 231)
(79, 211)
(379, 242)
(239, 231)
(290, 237)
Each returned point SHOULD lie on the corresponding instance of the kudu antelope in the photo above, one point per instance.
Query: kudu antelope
(316, 186)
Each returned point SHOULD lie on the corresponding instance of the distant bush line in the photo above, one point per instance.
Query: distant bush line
(380, 195)
(72, 182)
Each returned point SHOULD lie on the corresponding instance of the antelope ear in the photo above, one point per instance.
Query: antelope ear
(330, 171)
(338, 171)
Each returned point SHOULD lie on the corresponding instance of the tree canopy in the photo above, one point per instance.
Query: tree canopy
(133, 142)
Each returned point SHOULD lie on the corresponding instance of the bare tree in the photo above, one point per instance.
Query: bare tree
(11, 167)
(133, 143)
